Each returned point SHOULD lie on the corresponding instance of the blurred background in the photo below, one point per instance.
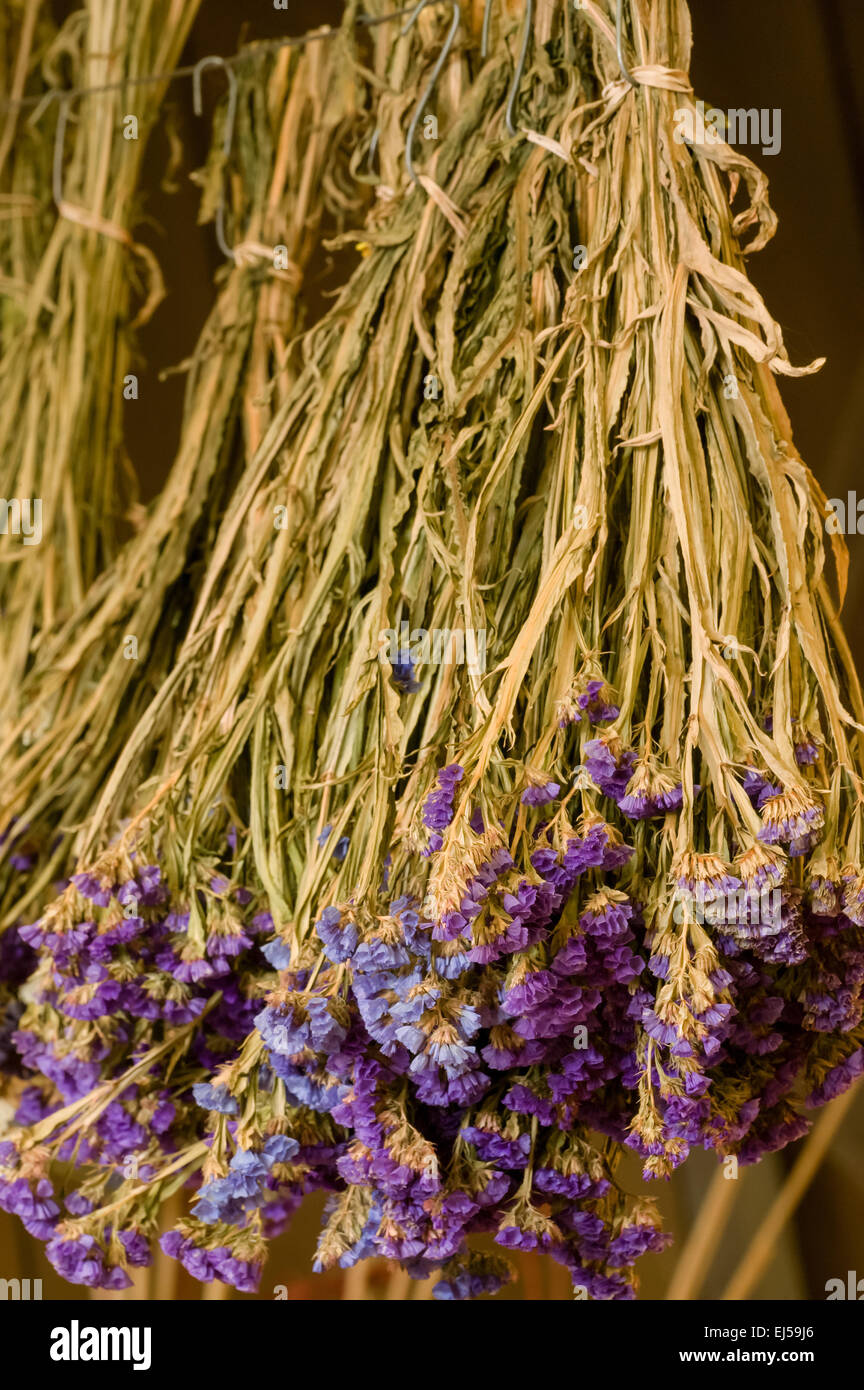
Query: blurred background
(802, 57)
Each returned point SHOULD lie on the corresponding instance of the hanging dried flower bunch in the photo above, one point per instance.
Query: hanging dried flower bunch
(500, 811)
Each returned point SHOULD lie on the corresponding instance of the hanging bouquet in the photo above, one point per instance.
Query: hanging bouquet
(500, 812)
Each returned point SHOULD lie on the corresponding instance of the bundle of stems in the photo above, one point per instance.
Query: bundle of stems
(597, 885)
(26, 30)
(64, 736)
(78, 284)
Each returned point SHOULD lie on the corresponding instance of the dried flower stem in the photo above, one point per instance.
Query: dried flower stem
(764, 1243)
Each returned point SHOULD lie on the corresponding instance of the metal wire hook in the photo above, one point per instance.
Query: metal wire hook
(619, 44)
(430, 85)
(227, 136)
(484, 35)
(520, 68)
(59, 142)
(513, 91)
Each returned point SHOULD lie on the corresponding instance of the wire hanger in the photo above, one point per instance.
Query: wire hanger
(227, 136)
(513, 90)
(520, 68)
(619, 44)
(484, 36)
(430, 85)
(59, 142)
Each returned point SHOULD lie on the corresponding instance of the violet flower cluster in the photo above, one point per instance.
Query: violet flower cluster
(467, 1059)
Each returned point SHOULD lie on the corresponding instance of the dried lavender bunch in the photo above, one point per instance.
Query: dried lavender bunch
(496, 956)
(74, 286)
(237, 375)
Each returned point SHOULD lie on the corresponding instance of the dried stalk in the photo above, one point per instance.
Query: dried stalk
(762, 1247)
